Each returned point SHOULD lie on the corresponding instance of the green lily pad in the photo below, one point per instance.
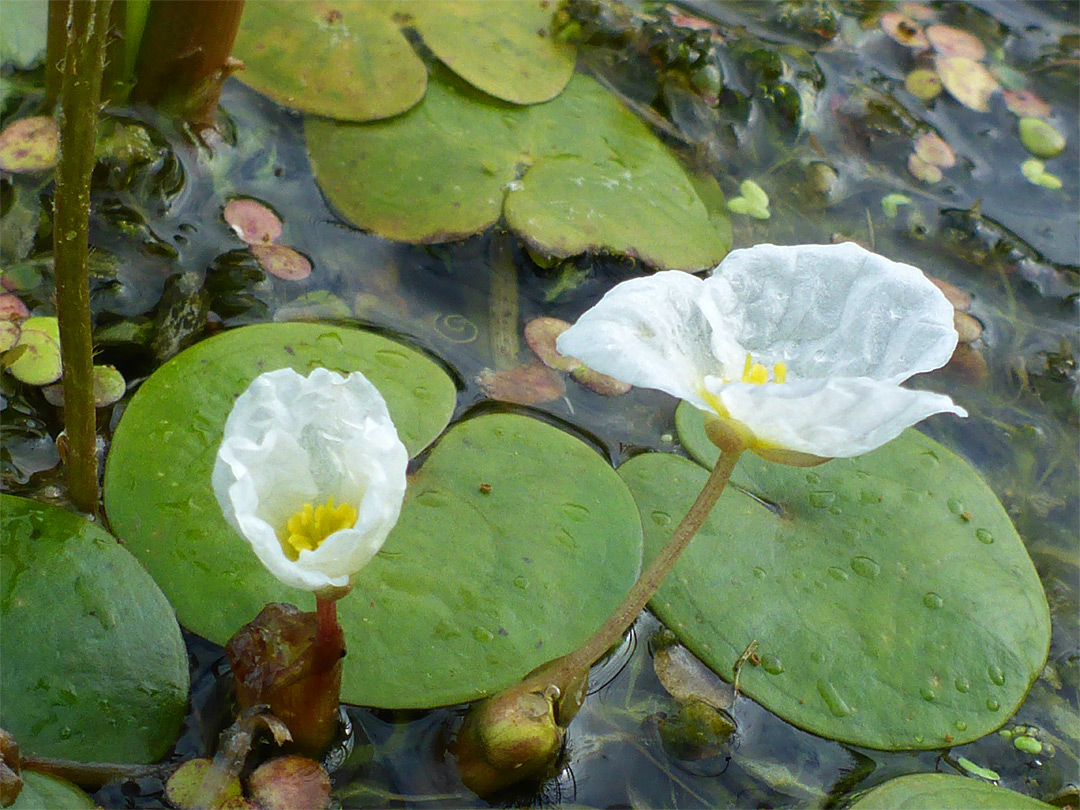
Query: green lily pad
(595, 177)
(35, 360)
(495, 566)
(503, 47)
(943, 792)
(40, 791)
(793, 557)
(351, 60)
(344, 60)
(94, 667)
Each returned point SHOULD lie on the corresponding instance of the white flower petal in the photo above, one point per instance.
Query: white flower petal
(290, 441)
(838, 311)
(661, 331)
(836, 418)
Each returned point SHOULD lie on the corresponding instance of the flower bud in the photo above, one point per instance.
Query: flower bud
(507, 738)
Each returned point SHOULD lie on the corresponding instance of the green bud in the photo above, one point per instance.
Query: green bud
(509, 738)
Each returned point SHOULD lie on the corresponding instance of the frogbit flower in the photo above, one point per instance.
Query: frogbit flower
(311, 472)
(800, 350)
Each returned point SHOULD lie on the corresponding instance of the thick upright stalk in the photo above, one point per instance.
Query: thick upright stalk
(563, 670)
(185, 56)
(79, 97)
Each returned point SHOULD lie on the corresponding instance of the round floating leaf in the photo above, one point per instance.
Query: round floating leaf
(36, 357)
(29, 145)
(9, 335)
(94, 667)
(1041, 138)
(541, 334)
(344, 60)
(1024, 102)
(503, 47)
(932, 149)
(923, 84)
(943, 792)
(252, 221)
(40, 791)
(949, 41)
(959, 627)
(968, 81)
(904, 30)
(598, 179)
(282, 261)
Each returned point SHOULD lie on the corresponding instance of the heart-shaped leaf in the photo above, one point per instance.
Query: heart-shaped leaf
(893, 603)
(94, 667)
(351, 60)
(595, 177)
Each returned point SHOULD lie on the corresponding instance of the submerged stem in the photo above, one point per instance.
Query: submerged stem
(79, 96)
(563, 670)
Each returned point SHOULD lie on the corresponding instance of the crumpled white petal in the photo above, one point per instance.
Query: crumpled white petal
(291, 440)
(848, 326)
(663, 331)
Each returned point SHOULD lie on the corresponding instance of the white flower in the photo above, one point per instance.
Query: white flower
(311, 472)
(800, 349)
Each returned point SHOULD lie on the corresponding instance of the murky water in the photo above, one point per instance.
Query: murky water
(179, 275)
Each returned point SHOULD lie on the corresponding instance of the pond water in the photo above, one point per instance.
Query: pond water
(822, 124)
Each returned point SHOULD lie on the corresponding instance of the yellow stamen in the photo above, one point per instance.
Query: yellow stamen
(757, 374)
(312, 524)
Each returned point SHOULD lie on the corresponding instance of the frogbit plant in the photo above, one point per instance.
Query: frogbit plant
(795, 353)
(311, 473)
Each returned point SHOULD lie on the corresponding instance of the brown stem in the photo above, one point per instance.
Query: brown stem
(503, 303)
(79, 96)
(91, 775)
(328, 629)
(562, 670)
(185, 56)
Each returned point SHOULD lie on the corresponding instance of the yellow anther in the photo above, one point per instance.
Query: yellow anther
(307, 528)
(757, 374)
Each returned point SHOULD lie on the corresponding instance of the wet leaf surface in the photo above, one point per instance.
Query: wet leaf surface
(910, 525)
(116, 659)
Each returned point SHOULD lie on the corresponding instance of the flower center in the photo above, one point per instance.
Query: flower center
(307, 528)
(757, 374)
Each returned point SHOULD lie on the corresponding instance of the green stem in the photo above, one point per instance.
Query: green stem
(80, 94)
(562, 671)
